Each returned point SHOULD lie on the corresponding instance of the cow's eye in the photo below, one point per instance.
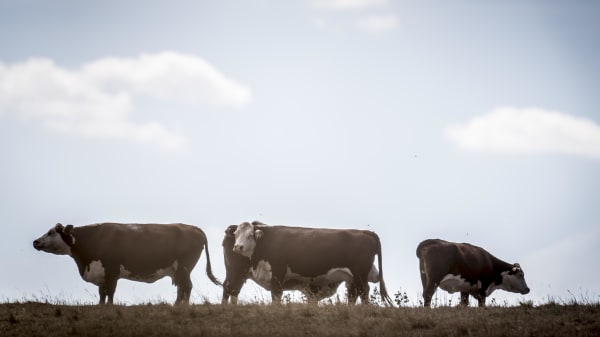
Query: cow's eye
(49, 232)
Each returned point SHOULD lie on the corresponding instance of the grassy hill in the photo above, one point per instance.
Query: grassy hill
(39, 319)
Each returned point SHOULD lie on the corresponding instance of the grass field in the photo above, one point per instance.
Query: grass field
(40, 319)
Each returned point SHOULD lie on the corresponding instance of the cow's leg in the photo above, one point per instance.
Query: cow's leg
(276, 296)
(276, 290)
(109, 288)
(464, 299)
(428, 286)
(364, 297)
(102, 293)
(352, 293)
(180, 296)
(428, 291)
(225, 298)
(480, 296)
(184, 285)
(231, 289)
(111, 276)
(362, 287)
(481, 300)
(226, 291)
(233, 294)
(312, 294)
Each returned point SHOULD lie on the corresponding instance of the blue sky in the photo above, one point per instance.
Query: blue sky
(471, 122)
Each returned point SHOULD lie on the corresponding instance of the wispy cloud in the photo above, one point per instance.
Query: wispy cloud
(97, 100)
(371, 16)
(378, 24)
(346, 4)
(528, 130)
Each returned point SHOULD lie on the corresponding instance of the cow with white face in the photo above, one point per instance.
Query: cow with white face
(465, 268)
(309, 259)
(107, 252)
(238, 269)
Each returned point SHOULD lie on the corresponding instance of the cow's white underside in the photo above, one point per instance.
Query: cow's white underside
(455, 283)
(94, 273)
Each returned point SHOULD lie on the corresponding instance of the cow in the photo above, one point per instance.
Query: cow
(310, 258)
(106, 252)
(238, 269)
(465, 268)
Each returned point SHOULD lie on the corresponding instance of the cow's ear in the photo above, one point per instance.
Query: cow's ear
(515, 268)
(258, 234)
(59, 228)
(231, 229)
(66, 235)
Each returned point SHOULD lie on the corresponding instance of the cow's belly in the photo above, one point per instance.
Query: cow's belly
(150, 277)
(262, 275)
(455, 283)
(334, 275)
(95, 273)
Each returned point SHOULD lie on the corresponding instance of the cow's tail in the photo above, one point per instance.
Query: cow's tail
(208, 267)
(382, 290)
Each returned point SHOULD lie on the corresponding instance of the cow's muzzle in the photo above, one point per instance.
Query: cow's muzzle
(37, 245)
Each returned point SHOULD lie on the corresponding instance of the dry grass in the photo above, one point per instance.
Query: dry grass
(38, 319)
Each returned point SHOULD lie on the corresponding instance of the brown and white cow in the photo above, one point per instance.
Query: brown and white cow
(239, 269)
(465, 268)
(107, 252)
(308, 258)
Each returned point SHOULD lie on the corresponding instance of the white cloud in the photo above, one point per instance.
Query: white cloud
(96, 100)
(377, 24)
(170, 75)
(347, 4)
(529, 130)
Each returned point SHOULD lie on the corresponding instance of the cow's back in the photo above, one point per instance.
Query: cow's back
(313, 252)
(442, 257)
(140, 248)
(474, 259)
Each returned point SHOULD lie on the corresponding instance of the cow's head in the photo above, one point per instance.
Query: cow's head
(513, 280)
(246, 236)
(58, 240)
